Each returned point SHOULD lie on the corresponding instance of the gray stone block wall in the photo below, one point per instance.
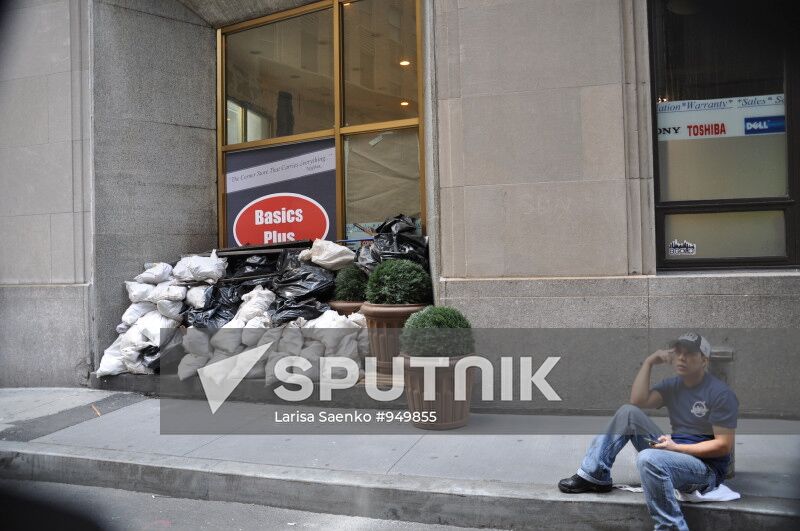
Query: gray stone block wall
(719, 304)
(154, 144)
(43, 336)
(532, 155)
(45, 204)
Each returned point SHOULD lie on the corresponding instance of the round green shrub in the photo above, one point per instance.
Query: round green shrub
(437, 331)
(399, 282)
(350, 284)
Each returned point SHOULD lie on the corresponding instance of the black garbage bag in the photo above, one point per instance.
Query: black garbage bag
(302, 280)
(283, 311)
(151, 357)
(289, 259)
(216, 316)
(252, 265)
(395, 239)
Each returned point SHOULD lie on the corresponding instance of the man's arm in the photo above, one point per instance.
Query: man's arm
(641, 395)
(721, 445)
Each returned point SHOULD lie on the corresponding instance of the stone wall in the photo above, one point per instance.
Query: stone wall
(45, 205)
(154, 149)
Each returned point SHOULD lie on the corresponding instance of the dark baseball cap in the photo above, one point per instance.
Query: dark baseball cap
(693, 342)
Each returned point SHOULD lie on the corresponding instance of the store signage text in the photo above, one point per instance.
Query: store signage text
(280, 218)
(764, 124)
(724, 117)
(706, 129)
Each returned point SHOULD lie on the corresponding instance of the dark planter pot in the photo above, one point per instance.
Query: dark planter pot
(450, 414)
(384, 323)
(345, 307)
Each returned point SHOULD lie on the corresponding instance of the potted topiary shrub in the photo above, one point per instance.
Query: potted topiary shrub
(350, 289)
(437, 332)
(395, 290)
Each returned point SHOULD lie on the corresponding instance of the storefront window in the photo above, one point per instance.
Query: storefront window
(723, 87)
(322, 110)
(381, 178)
(283, 73)
(379, 61)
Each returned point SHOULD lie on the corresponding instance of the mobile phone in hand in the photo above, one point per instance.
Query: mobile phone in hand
(650, 441)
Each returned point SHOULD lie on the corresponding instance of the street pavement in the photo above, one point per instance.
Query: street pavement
(122, 510)
(126, 427)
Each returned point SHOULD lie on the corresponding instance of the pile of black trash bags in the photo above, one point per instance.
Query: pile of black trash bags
(188, 303)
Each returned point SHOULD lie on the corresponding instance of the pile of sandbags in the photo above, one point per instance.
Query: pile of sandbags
(150, 323)
(330, 334)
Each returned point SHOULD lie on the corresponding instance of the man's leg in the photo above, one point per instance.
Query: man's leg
(629, 424)
(663, 471)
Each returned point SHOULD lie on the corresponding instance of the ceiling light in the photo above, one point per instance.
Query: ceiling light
(404, 103)
(405, 62)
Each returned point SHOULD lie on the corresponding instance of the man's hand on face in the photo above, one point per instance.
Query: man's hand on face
(665, 442)
(660, 356)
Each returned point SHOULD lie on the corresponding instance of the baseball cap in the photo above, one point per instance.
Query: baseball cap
(694, 342)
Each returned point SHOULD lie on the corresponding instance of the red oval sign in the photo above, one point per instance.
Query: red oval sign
(280, 218)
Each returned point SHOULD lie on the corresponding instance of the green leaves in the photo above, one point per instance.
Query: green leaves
(399, 282)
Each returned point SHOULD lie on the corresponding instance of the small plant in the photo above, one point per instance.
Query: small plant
(351, 284)
(399, 282)
(437, 331)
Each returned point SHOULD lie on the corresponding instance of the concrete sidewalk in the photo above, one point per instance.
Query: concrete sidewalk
(113, 439)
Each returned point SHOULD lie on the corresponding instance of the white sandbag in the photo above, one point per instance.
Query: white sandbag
(196, 297)
(272, 336)
(189, 364)
(229, 337)
(331, 255)
(111, 362)
(255, 303)
(244, 369)
(170, 309)
(254, 329)
(134, 338)
(155, 273)
(291, 340)
(167, 291)
(138, 367)
(358, 318)
(196, 341)
(138, 292)
(122, 328)
(269, 367)
(313, 352)
(200, 268)
(221, 372)
(152, 325)
(136, 310)
(331, 328)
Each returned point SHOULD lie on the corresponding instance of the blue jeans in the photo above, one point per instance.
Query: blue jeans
(661, 471)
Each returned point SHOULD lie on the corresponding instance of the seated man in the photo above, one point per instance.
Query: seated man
(702, 411)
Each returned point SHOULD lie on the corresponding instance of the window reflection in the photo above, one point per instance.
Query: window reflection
(282, 74)
(379, 61)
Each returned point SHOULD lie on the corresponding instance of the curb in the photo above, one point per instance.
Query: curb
(391, 497)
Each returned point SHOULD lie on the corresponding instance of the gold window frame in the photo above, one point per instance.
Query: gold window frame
(338, 132)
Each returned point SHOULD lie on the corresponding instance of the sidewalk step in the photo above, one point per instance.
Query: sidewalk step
(411, 498)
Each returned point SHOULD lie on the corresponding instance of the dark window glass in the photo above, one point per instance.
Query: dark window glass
(722, 86)
(379, 61)
(282, 73)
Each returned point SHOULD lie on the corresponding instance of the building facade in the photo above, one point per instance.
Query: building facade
(543, 178)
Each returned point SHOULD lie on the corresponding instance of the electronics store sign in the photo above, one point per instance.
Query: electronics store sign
(725, 117)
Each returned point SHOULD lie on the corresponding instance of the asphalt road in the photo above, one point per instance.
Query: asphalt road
(115, 509)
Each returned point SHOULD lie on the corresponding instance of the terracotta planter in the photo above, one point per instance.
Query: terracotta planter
(450, 414)
(345, 307)
(384, 322)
